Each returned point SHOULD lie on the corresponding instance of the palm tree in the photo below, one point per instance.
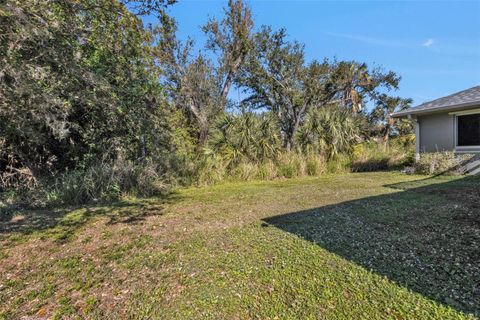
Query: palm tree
(329, 131)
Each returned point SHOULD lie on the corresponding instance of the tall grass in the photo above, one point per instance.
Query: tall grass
(99, 183)
(108, 182)
(213, 169)
(373, 156)
(367, 156)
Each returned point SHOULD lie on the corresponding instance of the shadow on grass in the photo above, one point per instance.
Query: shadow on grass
(65, 221)
(425, 237)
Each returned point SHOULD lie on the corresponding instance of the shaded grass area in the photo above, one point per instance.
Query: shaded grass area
(354, 246)
(426, 238)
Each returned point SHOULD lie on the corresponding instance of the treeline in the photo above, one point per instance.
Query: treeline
(94, 104)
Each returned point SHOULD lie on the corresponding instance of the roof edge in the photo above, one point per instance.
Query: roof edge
(408, 112)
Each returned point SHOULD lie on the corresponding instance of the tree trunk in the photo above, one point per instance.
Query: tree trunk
(388, 130)
(203, 126)
(290, 136)
(289, 142)
(386, 136)
(227, 86)
(203, 133)
(229, 80)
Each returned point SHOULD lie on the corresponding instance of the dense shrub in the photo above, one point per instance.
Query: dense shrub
(315, 165)
(105, 182)
(329, 131)
(373, 156)
(441, 163)
(98, 183)
(78, 86)
(209, 169)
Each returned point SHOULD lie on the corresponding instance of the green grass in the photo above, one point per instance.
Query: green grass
(351, 246)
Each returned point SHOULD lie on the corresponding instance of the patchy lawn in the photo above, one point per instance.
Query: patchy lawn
(354, 246)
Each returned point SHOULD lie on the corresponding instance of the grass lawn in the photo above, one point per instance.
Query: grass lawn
(353, 246)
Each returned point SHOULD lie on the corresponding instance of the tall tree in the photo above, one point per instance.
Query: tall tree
(277, 79)
(77, 84)
(231, 39)
(352, 83)
(381, 115)
(197, 84)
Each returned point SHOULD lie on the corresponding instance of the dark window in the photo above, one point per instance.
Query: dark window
(469, 130)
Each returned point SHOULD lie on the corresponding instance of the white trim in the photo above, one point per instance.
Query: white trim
(417, 137)
(465, 112)
(467, 151)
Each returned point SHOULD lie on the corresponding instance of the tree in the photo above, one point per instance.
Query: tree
(231, 39)
(278, 80)
(381, 115)
(352, 83)
(197, 84)
(77, 85)
(146, 7)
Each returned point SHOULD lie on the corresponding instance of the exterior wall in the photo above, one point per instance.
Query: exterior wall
(436, 132)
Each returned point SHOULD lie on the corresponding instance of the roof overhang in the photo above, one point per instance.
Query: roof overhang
(413, 112)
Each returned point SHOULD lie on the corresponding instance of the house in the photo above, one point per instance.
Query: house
(451, 123)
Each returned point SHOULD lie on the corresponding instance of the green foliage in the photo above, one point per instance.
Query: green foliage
(436, 163)
(267, 170)
(315, 165)
(212, 168)
(99, 183)
(341, 163)
(245, 137)
(289, 166)
(95, 106)
(209, 169)
(198, 85)
(374, 156)
(383, 124)
(278, 79)
(353, 84)
(73, 92)
(106, 183)
(329, 131)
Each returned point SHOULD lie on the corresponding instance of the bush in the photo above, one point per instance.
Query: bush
(441, 163)
(213, 168)
(209, 169)
(98, 183)
(108, 182)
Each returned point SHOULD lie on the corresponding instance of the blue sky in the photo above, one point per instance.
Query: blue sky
(433, 45)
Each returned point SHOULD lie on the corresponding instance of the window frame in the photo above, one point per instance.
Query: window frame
(472, 148)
